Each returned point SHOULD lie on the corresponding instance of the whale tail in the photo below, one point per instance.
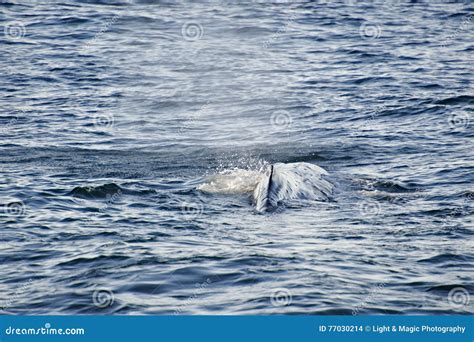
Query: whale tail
(274, 185)
(291, 181)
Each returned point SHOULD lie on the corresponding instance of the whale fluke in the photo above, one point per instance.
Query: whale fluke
(277, 183)
(289, 182)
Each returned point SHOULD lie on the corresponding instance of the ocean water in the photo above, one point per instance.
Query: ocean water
(114, 114)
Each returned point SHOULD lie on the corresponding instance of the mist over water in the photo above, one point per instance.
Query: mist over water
(115, 115)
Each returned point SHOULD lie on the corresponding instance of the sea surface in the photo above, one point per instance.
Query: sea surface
(113, 114)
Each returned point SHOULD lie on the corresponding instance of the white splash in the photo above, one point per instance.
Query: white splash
(231, 182)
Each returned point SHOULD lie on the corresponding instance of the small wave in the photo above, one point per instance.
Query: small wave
(364, 80)
(444, 289)
(447, 257)
(461, 99)
(104, 191)
(395, 186)
(101, 191)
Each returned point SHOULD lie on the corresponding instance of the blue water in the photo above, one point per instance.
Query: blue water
(112, 113)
